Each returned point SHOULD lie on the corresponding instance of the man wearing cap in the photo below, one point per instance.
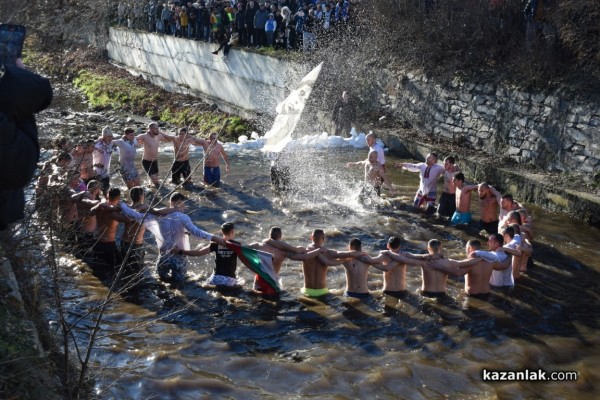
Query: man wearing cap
(103, 149)
(151, 141)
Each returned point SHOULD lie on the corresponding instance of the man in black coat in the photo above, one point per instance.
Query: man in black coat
(22, 94)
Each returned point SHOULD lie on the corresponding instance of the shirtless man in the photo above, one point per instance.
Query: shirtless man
(462, 214)
(86, 201)
(357, 270)
(429, 173)
(434, 282)
(375, 176)
(518, 246)
(127, 146)
(101, 155)
(70, 227)
(107, 256)
(395, 263)
(83, 160)
(315, 269)
(181, 165)
(293, 253)
(151, 140)
(213, 151)
(507, 204)
(447, 204)
(488, 208)
(477, 271)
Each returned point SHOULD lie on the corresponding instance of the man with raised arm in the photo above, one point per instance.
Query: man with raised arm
(172, 232)
(181, 165)
(429, 172)
(488, 208)
(462, 213)
(500, 277)
(151, 140)
(213, 151)
(375, 176)
(101, 155)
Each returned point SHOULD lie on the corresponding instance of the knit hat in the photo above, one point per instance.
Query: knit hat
(106, 132)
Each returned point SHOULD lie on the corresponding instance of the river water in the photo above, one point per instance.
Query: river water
(193, 343)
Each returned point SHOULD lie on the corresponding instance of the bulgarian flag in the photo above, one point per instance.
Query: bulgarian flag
(259, 262)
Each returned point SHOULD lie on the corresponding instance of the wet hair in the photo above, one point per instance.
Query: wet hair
(355, 244)
(151, 124)
(136, 193)
(450, 160)
(93, 184)
(460, 177)
(507, 197)
(434, 156)
(129, 130)
(498, 238)
(114, 193)
(318, 232)
(514, 215)
(227, 228)
(176, 197)
(394, 242)
(474, 243)
(435, 245)
(275, 233)
(510, 231)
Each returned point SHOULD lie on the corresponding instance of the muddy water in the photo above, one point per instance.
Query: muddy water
(192, 343)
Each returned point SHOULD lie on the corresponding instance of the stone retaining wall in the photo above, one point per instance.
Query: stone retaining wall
(548, 130)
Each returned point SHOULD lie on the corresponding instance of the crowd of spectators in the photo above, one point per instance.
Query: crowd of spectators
(281, 24)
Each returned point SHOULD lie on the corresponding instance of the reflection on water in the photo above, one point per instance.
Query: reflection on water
(193, 343)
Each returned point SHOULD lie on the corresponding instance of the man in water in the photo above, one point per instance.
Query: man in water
(181, 165)
(127, 146)
(434, 281)
(507, 204)
(462, 213)
(83, 161)
(394, 277)
(315, 269)
(132, 240)
(488, 208)
(429, 172)
(213, 151)
(358, 268)
(500, 278)
(173, 230)
(101, 155)
(86, 201)
(151, 140)
(447, 204)
(107, 257)
(375, 176)
(477, 281)
(293, 253)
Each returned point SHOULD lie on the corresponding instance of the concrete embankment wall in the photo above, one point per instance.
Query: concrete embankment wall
(245, 83)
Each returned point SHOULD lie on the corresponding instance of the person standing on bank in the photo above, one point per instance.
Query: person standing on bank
(22, 93)
(344, 114)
